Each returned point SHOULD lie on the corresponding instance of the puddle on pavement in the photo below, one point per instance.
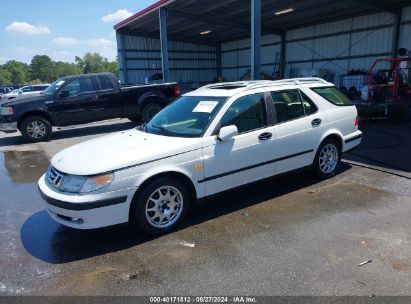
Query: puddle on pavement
(25, 166)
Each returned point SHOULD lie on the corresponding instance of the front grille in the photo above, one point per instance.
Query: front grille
(54, 177)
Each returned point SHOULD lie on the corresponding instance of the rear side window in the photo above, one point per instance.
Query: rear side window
(105, 82)
(287, 105)
(309, 106)
(333, 95)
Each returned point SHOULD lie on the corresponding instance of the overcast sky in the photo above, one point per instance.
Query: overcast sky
(62, 29)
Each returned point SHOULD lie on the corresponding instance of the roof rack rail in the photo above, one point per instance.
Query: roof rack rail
(297, 81)
(238, 84)
(254, 84)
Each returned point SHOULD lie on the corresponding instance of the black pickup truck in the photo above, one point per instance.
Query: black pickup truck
(81, 99)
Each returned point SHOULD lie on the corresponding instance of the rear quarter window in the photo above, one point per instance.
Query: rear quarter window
(333, 95)
(105, 82)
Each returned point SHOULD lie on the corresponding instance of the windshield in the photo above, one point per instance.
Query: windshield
(53, 88)
(188, 116)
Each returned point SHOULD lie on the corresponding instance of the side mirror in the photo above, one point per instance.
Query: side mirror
(20, 92)
(64, 94)
(227, 133)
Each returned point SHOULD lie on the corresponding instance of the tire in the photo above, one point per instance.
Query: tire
(35, 129)
(150, 216)
(329, 149)
(150, 110)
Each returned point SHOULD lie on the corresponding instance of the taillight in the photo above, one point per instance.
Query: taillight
(356, 121)
(177, 91)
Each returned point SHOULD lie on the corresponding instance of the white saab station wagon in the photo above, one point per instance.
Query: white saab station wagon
(216, 138)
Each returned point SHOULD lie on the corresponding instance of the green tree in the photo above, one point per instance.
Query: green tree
(95, 63)
(112, 67)
(42, 68)
(18, 71)
(5, 76)
(65, 69)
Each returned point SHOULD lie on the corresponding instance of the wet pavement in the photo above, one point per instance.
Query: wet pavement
(289, 235)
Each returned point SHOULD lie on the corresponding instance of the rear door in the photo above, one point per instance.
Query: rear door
(298, 129)
(108, 98)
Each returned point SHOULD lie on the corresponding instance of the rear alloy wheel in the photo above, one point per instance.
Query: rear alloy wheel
(161, 207)
(35, 129)
(150, 110)
(327, 161)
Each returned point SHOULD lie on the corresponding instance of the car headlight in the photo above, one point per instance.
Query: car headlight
(6, 111)
(97, 183)
(80, 184)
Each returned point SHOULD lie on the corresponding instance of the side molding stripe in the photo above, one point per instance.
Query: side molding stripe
(353, 138)
(254, 166)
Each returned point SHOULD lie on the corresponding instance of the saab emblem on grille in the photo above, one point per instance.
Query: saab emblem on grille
(54, 177)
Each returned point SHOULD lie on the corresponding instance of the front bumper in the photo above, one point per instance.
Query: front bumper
(8, 127)
(89, 211)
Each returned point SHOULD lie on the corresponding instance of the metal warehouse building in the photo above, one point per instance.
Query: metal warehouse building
(196, 41)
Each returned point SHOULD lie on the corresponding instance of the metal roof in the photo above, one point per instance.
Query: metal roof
(229, 20)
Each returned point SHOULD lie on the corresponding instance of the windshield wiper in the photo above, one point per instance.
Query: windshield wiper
(164, 130)
(142, 128)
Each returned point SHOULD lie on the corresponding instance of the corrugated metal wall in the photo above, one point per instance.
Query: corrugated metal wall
(236, 56)
(190, 64)
(336, 47)
(405, 37)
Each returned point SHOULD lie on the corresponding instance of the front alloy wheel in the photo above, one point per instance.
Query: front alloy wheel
(35, 129)
(161, 206)
(164, 206)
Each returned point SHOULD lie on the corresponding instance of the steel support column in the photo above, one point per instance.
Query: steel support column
(282, 54)
(255, 38)
(396, 33)
(164, 43)
(122, 57)
(219, 61)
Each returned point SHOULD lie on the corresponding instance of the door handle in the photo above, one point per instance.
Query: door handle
(49, 102)
(265, 136)
(316, 122)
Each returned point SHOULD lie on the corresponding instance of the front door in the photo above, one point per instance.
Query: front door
(244, 158)
(78, 102)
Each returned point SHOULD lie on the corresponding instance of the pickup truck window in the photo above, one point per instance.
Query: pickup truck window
(188, 116)
(105, 82)
(53, 88)
(81, 85)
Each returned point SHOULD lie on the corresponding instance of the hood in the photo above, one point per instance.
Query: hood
(22, 99)
(119, 150)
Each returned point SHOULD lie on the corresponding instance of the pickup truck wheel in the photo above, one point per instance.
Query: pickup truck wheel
(327, 160)
(35, 129)
(161, 207)
(150, 110)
